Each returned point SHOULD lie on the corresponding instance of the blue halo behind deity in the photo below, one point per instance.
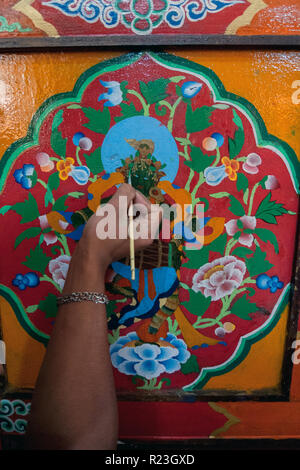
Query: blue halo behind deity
(115, 147)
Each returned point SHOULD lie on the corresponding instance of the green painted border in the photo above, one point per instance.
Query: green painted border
(54, 102)
(243, 347)
(221, 95)
(24, 321)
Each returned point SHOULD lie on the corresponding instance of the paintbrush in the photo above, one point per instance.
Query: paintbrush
(131, 234)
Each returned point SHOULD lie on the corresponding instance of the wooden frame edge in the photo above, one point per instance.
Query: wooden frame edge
(20, 43)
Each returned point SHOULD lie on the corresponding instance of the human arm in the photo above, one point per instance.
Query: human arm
(74, 404)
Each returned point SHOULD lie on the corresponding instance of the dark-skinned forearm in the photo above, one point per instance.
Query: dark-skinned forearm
(75, 404)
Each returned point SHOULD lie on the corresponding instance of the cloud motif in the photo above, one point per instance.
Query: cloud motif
(114, 95)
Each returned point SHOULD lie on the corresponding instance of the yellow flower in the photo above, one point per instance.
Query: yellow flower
(64, 167)
(231, 169)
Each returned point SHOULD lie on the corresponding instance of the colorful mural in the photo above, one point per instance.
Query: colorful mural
(59, 18)
(196, 305)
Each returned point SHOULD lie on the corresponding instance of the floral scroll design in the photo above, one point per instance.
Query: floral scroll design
(141, 16)
(9, 408)
(208, 298)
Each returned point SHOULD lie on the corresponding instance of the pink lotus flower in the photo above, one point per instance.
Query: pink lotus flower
(249, 222)
(271, 182)
(59, 267)
(44, 161)
(220, 277)
(50, 237)
(252, 162)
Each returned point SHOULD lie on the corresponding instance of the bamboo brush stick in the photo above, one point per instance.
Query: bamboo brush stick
(131, 235)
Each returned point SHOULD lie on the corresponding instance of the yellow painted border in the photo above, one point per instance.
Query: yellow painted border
(231, 419)
(24, 6)
(246, 17)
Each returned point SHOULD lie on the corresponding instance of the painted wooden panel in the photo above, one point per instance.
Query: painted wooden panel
(224, 336)
(71, 18)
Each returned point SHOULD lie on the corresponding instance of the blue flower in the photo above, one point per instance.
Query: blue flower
(190, 89)
(80, 140)
(27, 280)
(214, 175)
(77, 137)
(263, 281)
(148, 360)
(25, 176)
(219, 138)
(80, 174)
(114, 95)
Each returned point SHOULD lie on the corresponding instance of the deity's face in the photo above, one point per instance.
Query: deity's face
(144, 150)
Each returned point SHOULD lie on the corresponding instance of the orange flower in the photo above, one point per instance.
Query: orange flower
(231, 169)
(64, 167)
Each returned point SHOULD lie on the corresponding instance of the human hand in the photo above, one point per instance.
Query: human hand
(106, 232)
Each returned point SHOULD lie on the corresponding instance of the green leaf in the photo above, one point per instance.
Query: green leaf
(236, 207)
(31, 308)
(28, 209)
(58, 144)
(220, 106)
(128, 110)
(266, 235)
(52, 183)
(237, 235)
(242, 307)
(242, 252)
(110, 308)
(219, 195)
(37, 260)
(160, 109)
(155, 90)
(262, 182)
(4, 209)
(123, 88)
(76, 194)
(258, 263)
(49, 306)
(178, 91)
(198, 120)
(242, 182)
(33, 178)
(191, 365)
(235, 145)
(177, 79)
(74, 106)
(183, 140)
(99, 121)
(239, 224)
(218, 244)
(268, 210)
(59, 204)
(94, 161)
(48, 197)
(29, 233)
(196, 258)
(245, 197)
(197, 303)
(199, 161)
